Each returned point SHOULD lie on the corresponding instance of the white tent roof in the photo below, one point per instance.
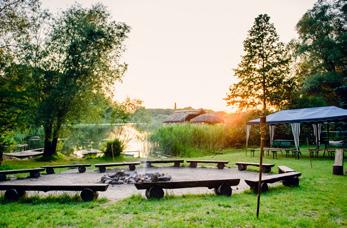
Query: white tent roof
(312, 115)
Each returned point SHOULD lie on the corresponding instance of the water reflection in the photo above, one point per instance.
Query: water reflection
(88, 138)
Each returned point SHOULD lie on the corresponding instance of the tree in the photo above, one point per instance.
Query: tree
(262, 74)
(17, 19)
(323, 51)
(81, 60)
(263, 69)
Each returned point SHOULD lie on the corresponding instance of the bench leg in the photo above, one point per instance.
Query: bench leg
(266, 169)
(220, 165)
(177, 164)
(193, 164)
(263, 188)
(148, 164)
(82, 169)
(224, 190)
(88, 194)
(132, 167)
(241, 167)
(35, 174)
(2, 177)
(49, 170)
(154, 192)
(102, 169)
(291, 182)
(11, 195)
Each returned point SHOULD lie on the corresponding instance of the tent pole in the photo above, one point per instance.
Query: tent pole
(307, 142)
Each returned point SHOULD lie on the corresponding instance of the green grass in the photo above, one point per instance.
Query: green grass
(319, 201)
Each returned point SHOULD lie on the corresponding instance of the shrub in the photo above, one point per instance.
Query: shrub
(114, 148)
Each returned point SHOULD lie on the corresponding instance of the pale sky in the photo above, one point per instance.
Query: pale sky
(184, 51)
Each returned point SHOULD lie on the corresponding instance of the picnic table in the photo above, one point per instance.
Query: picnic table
(273, 150)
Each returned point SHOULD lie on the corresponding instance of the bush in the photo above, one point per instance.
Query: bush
(114, 148)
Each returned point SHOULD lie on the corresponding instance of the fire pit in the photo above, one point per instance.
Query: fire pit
(122, 177)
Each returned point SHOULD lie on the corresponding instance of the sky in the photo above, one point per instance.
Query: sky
(184, 51)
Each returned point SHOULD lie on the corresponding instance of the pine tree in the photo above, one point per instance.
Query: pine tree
(262, 70)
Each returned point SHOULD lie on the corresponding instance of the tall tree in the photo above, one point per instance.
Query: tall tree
(82, 61)
(263, 69)
(17, 19)
(323, 51)
(262, 74)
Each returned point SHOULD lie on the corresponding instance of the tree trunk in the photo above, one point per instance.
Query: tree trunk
(51, 141)
(1, 158)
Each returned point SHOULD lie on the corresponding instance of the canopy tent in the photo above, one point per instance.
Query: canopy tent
(295, 117)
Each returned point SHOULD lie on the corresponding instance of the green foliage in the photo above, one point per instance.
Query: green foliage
(322, 54)
(323, 34)
(114, 148)
(262, 70)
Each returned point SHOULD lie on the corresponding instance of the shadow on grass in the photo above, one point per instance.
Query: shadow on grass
(58, 199)
(140, 199)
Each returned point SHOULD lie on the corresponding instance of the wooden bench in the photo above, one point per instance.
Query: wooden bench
(288, 179)
(155, 189)
(176, 162)
(25, 153)
(81, 167)
(243, 166)
(220, 164)
(285, 169)
(88, 191)
(33, 173)
(102, 167)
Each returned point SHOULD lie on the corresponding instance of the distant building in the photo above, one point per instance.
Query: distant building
(181, 116)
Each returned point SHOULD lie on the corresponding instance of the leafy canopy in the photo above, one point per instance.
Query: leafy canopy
(322, 49)
(262, 70)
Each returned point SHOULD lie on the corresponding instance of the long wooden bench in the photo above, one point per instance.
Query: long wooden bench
(285, 169)
(81, 167)
(102, 167)
(155, 189)
(25, 153)
(243, 166)
(33, 173)
(176, 162)
(220, 164)
(288, 179)
(88, 191)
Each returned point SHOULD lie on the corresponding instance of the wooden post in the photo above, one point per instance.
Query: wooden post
(338, 164)
(262, 141)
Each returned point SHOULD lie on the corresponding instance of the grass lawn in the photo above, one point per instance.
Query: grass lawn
(320, 201)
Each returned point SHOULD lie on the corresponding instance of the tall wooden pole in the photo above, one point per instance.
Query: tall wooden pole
(262, 140)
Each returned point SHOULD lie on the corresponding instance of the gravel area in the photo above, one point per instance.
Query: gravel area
(118, 192)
